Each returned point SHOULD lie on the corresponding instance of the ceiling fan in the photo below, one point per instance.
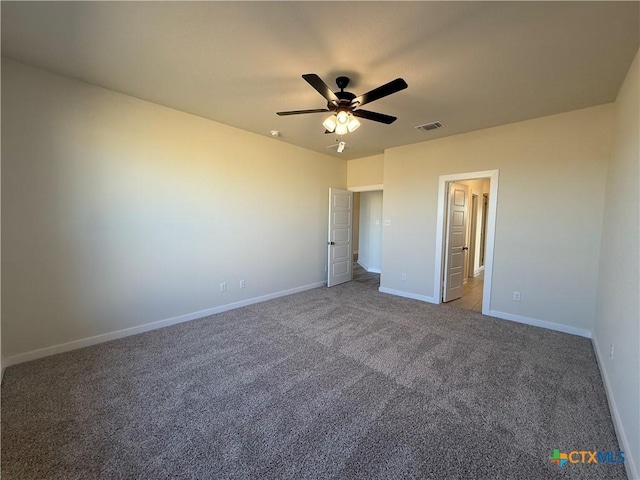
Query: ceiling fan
(345, 106)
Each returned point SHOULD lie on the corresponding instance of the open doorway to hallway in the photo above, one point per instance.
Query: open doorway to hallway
(473, 232)
(465, 233)
(367, 236)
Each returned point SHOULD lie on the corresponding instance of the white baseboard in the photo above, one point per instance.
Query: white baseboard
(502, 315)
(630, 461)
(400, 293)
(478, 271)
(368, 269)
(558, 327)
(106, 337)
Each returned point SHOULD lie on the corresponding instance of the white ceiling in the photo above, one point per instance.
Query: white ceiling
(470, 65)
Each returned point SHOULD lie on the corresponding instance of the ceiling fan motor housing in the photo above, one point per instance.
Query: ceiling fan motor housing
(344, 98)
(344, 103)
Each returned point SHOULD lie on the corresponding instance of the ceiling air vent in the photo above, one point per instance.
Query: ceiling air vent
(430, 126)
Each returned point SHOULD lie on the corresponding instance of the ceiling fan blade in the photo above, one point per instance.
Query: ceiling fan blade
(376, 117)
(323, 89)
(382, 91)
(298, 112)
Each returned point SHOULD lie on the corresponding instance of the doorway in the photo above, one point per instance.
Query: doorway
(370, 230)
(367, 236)
(471, 295)
(474, 292)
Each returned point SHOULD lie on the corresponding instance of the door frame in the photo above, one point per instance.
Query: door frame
(493, 176)
(483, 228)
(473, 232)
(363, 189)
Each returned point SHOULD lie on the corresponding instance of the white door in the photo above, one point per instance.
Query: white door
(455, 247)
(339, 254)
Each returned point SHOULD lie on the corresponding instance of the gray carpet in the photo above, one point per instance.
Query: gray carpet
(331, 383)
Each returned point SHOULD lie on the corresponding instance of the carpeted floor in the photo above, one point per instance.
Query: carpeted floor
(344, 382)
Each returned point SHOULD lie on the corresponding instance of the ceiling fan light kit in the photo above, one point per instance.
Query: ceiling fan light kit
(341, 123)
(345, 106)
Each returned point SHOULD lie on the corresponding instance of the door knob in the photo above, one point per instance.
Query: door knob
(465, 248)
(331, 243)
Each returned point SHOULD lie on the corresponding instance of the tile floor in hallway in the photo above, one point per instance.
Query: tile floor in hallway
(471, 294)
(362, 276)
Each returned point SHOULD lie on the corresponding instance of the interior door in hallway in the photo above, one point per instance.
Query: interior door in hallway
(339, 256)
(455, 247)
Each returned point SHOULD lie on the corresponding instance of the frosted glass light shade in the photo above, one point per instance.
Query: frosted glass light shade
(330, 123)
(353, 124)
(342, 117)
(341, 129)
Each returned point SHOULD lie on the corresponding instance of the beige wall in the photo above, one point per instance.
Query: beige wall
(549, 216)
(118, 212)
(365, 171)
(618, 304)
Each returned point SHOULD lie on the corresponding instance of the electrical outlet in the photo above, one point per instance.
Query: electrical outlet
(516, 296)
(611, 352)
(404, 276)
(242, 284)
(387, 223)
(223, 287)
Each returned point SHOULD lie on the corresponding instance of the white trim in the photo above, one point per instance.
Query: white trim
(368, 269)
(558, 327)
(400, 293)
(367, 188)
(493, 176)
(106, 337)
(630, 462)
